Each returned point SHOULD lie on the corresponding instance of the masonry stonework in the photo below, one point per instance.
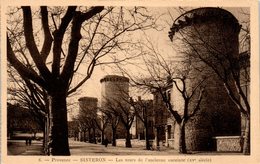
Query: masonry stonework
(88, 103)
(218, 115)
(114, 89)
(87, 109)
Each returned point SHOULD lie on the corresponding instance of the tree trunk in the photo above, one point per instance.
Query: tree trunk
(44, 142)
(246, 145)
(102, 137)
(94, 136)
(89, 135)
(128, 139)
(45, 136)
(147, 138)
(157, 140)
(59, 132)
(182, 143)
(84, 136)
(113, 136)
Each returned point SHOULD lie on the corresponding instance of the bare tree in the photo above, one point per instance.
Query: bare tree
(87, 123)
(102, 121)
(125, 114)
(188, 110)
(83, 125)
(88, 117)
(28, 95)
(216, 44)
(163, 74)
(73, 127)
(22, 119)
(111, 114)
(32, 97)
(65, 40)
(143, 111)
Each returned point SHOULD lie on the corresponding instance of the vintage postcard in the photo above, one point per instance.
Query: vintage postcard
(130, 82)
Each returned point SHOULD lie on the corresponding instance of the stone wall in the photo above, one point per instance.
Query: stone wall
(113, 87)
(114, 90)
(213, 33)
(171, 143)
(88, 104)
(140, 143)
(228, 143)
(134, 142)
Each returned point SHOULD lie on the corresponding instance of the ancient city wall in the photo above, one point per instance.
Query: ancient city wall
(206, 32)
(88, 104)
(114, 89)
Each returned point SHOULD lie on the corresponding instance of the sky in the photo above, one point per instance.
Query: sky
(92, 88)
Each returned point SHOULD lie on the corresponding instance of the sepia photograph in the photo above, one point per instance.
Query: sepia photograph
(139, 83)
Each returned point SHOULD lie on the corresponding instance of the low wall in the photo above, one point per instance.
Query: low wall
(171, 143)
(222, 143)
(134, 142)
(138, 143)
(142, 143)
(228, 143)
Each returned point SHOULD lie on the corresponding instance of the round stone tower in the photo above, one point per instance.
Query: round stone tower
(88, 105)
(205, 35)
(114, 89)
(87, 111)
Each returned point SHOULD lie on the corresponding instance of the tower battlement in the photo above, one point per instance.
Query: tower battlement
(114, 78)
(88, 99)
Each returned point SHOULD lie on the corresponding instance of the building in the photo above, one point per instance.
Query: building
(209, 34)
(86, 117)
(218, 116)
(114, 91)
(144, 116)
(162, 128)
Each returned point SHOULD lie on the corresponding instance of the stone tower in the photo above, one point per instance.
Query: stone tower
(114, 89)
(218, 29)
(88, 105)
(87, 110)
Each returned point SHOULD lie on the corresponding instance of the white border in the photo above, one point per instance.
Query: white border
(254, 96)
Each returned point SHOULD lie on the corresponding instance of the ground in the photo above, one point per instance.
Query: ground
(81, 148)
(19, 147)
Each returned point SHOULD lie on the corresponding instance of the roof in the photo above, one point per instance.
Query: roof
(202, 15)
(114, 78)
(88, 99)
